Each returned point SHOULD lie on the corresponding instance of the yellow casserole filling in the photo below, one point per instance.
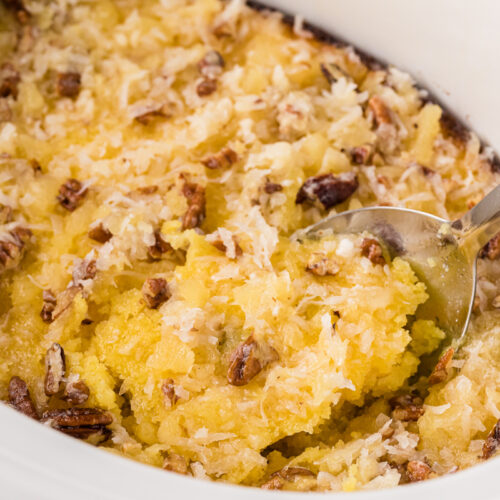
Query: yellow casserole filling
(161, 154)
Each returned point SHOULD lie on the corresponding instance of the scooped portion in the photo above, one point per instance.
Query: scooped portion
(155, 158)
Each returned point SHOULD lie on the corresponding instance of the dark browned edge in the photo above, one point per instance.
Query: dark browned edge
(374, 63)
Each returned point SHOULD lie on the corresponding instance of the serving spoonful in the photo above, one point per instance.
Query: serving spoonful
(442, 253)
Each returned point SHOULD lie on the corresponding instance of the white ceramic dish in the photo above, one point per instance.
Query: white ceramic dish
(451, 47)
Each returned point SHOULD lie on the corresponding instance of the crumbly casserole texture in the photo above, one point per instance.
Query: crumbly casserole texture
(155, 157)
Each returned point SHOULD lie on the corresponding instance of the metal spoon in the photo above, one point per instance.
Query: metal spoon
(442, 253)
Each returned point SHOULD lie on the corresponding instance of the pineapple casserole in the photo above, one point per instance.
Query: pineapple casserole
(155, 158)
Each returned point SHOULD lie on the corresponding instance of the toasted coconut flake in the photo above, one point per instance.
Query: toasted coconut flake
(64, 300)
(175, 463)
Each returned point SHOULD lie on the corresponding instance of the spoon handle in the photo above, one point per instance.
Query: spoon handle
(480, 223)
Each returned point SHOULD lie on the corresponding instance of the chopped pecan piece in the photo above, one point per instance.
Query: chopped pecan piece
(147, 117)
(206, 87)
(85, 270)
(371, 249)
(49, 304)
(64, 300)
(195, 213)
(491, 442)
(440, 372)
(71, 194)
(492, 248)
(277, 479)
(332, 72)
(407, 408)
(80, 423)
(168, 390)
(55, 369)
(223, 159)
(76, 392)
(100, 233)
(417, 470)
(20, 398)
(160, 247)
(18, 7)
(155, 292)
(272, 187)
(381, 112)
(5, 214)
(12, 248)
(212, 65)
(147, 190)
(68, 84)
(9, 81)
(361, 155)
(323, 267)
(328, 189)
(5, 111)
(249, 359)
(175, 463)
(231, 253)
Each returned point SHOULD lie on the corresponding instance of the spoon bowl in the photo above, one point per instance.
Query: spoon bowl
(442, 253)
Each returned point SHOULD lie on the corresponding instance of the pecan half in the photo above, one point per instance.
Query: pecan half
(195, 213)
(5, 111)
(68, 84)
(20, 398)
(371, 249)
(272, 187)
(249, 359)
(328, 189)
(100, 233)
(76, 392)
(491, 442)
(12, 248)
(80, 423)
(440, 372)
(361, 155)
(160, 247)
(492, 248)
(206, 87)
(55, 369)
(175, 463)
(168, 390)
(212, 65)
(85, 270)
(407, 407)
(64, 300)
(417, 470)
(71, 194)
(323, 267)
(155, 292)
(223, 159)
(9, 81)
